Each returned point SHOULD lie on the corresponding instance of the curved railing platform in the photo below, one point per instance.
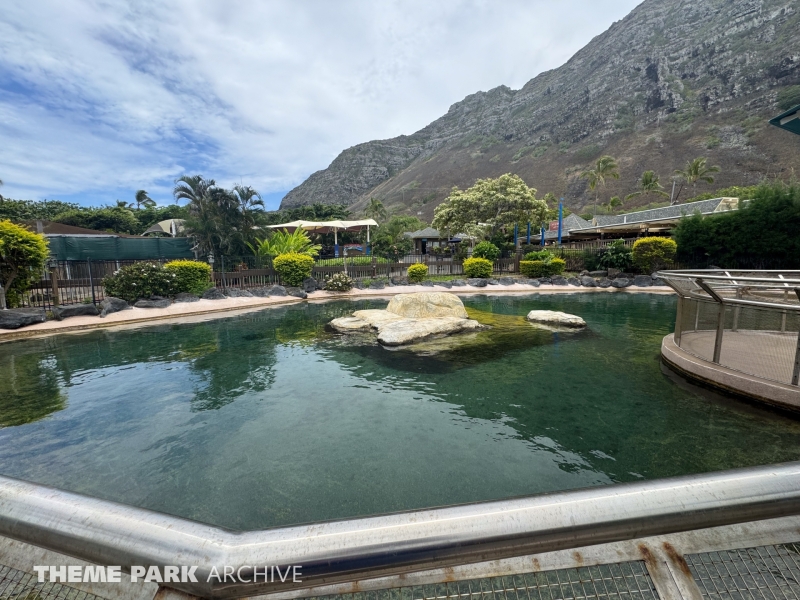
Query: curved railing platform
(107, 533)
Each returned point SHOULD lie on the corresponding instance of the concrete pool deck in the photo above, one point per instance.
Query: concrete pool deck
(181, 311)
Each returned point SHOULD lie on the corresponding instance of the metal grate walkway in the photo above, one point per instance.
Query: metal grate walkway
(18, 585)
(768, 572)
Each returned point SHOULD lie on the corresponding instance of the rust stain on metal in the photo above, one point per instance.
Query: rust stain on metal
(355, 587)
(578, 558)
(647, 556)
(535, 564)
(449, 574)
(677, 559)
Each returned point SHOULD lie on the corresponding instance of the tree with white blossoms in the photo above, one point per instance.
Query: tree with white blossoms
(489, 206)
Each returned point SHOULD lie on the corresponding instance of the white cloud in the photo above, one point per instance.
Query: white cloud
(100, 97)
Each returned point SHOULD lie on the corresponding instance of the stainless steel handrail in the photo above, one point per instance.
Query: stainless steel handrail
(108, 533)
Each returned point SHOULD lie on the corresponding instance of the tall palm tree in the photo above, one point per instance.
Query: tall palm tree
(695, 170)
(249, 200)
(613, 202)
(142, 199)
(375, 210)
(123, 204)
(648, 184)
(192, 188)
(1, 195)
(605, 167)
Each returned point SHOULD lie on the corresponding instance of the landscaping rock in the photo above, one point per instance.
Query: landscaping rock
(153, 303)
(75, 310)
(261, 292)
(213, 294)
(643, 281)
(426, 305)
(427, 283)
(399, 280)
(558, 281)
(14, 318)
(111, 305)
(613, 273)
(296, 292)
(492, 282)
(545, 280)
(583, 273)
(186, 297)
(277, 290)
(476, 282)
(359, 285)
(506, 281)
(405, 331)
(598, 273)
(553, 317)
(377, 285)
(310, 285)
(534, 282)
(574, 281)
(458, 283)
(657, 280)
(620, 282)
(237, 293)
(445, 284)
(587, 281)
(605, 282)
(350, 325)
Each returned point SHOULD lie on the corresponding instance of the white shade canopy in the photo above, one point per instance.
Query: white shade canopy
(327, 226)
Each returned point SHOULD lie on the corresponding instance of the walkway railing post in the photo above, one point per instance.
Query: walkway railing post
(720, 318)
(91, 279)
(796, 370)
(679, 322)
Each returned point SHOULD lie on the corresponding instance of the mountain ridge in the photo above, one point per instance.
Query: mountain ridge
(671, 81)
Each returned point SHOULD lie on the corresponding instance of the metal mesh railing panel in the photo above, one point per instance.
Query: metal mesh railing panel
(19, 585)
(623, 581)
(766, 572)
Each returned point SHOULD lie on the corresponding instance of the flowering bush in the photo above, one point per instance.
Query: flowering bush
(139, 280)
(417, 273)
(339, 283)
(188, 276)
(478, 268)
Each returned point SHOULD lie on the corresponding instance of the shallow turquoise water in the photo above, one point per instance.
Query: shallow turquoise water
(268, 419)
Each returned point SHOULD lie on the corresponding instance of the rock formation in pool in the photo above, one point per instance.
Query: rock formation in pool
(556, 318)
(411, 317)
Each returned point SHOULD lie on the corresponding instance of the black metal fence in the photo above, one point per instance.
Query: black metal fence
(75, 282)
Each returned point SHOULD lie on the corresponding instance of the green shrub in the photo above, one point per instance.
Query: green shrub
(22, 257)
(486, 250)
(541, 263)
(339, 283)
(189, 276)
(293, 268)
(533, 268)
(139, 280)
(478, 268)
(557, 266)
(653, 253)
(617, 256)
(543, 255)
(417, 273)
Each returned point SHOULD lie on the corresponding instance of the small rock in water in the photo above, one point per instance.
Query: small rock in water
(554, 317)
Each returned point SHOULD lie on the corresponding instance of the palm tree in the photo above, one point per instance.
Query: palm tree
(142, 199)
(1, 195)
(123, 204)
(696, 170)
(613, 203)
(648, 184)
(192, 188)
(248, 200)
(375, 210)
(605, 167)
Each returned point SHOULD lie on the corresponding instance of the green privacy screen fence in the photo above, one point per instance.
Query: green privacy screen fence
(100, 247)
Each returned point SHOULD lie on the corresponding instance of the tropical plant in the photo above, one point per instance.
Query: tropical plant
(695, 170)
(339, 282)
(283, 242)
(375, 210)
(142, 199)
(606, 167)
(250, 204)
(190, 276)
(616, 256)
(22, 257)
(653, 253)
(389, 241)
(192, 188)
(139, 280)
(293, 268)
(1, 195)
(417, 273)
(116, 219)
(478, 268)
(648, 184)
(613, 202)
(486, 250)
(490, 206)
(123, 205)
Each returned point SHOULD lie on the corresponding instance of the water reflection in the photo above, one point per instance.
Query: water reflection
(29, 388)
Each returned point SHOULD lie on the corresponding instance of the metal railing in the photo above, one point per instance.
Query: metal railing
(748, 321)
(107, 533)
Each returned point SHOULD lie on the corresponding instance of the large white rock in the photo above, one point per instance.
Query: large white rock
(554, 317)
(410, 318)
(427, 305)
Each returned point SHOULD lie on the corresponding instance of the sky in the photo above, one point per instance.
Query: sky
(100, 98)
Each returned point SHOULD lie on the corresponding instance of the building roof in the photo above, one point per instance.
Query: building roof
(50, 228)
(428, 232)
(789, 120)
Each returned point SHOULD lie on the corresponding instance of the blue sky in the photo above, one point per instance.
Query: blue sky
(99, 98)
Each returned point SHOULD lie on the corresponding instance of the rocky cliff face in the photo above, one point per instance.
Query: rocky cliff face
(673, 80)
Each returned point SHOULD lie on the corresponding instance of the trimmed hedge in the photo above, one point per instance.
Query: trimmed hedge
(653, 253)
(293, 268)
(189, 276)
(417, 273)
(22, 258)
(478, 268)
(139, 280)
(541, 268)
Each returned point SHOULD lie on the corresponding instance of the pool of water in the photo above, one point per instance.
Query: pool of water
(268, 419)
